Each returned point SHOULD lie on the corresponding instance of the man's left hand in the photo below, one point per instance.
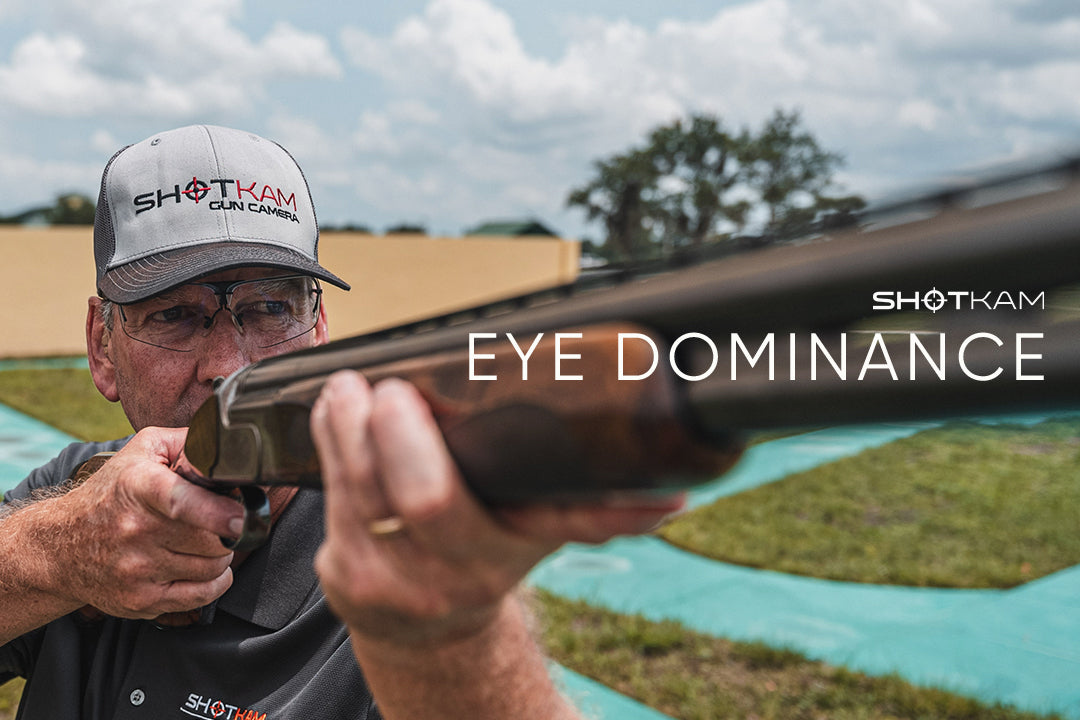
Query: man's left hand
(442, 575)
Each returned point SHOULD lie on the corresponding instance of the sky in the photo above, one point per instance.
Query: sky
(447, 113)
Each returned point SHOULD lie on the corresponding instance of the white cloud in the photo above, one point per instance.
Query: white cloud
(1036, 92)
(373, 134)
(403, 127)
(35, 182)
(48, 75)
(876, 81)
(305, 139)
(466, 54)
(148, 59)
(104, 142)
(413, 111)
(614, 80)
(920, 114)
(452, 114)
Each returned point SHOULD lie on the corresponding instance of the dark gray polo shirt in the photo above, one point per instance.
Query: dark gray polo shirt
(272, 651)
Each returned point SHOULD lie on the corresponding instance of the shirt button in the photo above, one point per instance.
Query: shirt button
(137, 697)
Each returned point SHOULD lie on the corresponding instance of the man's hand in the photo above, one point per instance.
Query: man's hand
(445, 574)
(138, 540)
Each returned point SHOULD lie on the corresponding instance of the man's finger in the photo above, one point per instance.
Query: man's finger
(181, 501)
(183, 595)
(339, 426)
(420, 479)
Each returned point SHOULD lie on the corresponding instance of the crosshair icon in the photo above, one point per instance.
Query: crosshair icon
(196, 189)
(934, 300)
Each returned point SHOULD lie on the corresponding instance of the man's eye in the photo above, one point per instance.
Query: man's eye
(175, 314)
(266, 307)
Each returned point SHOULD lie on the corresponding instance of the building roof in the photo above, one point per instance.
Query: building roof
(512, 228)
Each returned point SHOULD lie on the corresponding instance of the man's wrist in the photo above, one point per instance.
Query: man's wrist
(495, 669)
(393, 634)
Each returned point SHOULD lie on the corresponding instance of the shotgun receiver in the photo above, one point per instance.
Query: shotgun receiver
(950, 304)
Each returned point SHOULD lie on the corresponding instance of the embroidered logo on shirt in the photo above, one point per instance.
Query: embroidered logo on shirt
(208, 708)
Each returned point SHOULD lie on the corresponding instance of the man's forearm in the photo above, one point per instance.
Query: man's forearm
(134, 541)
(28, 570)
(497, 672)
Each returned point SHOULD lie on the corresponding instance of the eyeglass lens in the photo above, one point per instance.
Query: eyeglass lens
(268, 311)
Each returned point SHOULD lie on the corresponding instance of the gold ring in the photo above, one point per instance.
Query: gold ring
(386, 526)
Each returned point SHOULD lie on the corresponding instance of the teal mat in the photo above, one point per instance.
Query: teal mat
(25, 444)
(599, 702)
(1020, 646)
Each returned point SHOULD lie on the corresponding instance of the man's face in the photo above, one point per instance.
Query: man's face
(164, 388)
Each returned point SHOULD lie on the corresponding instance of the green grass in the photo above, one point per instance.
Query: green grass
(693, 676)
(9, 698)
(66, 399)
(966, 505)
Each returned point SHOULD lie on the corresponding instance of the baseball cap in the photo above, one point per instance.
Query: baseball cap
(201, 199)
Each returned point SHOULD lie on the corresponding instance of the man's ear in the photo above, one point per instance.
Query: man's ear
(322, 329)
(98, 351)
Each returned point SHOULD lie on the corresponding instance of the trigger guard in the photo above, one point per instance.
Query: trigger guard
(256, 520)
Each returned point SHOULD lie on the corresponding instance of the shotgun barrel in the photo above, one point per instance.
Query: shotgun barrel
(647, 384)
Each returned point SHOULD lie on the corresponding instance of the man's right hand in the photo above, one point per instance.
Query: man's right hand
(136, 540)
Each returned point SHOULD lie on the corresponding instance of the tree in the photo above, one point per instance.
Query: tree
(618, 196)
(406, 228)
(792, 174)
(70, 209)
(693, 182)
(349, 227)
(700, 165)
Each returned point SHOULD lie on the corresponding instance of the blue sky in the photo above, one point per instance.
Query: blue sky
(450, 112)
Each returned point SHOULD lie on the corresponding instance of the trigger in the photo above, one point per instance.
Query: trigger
(256, 520)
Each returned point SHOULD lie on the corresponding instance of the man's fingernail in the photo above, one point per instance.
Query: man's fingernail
(236, 526)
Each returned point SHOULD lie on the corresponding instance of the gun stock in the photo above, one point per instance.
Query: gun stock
(549, 440)
(784, 337)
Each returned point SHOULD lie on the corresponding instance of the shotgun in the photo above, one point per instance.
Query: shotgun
(953, 303)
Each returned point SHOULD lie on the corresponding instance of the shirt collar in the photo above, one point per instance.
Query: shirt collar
(270, 586)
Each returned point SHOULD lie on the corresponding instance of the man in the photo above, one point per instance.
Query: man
(394, 598)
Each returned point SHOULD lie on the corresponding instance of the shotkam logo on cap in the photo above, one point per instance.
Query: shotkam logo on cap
(197, 200)
(221, 194)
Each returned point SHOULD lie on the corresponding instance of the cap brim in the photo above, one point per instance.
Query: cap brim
(148, 276)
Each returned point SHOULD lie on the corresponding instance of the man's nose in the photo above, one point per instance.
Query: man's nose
(224, 349)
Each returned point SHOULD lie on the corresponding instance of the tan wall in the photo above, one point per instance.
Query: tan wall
(47, 274)
(400, 278)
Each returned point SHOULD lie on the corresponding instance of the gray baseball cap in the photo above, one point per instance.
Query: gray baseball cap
(197, 200)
